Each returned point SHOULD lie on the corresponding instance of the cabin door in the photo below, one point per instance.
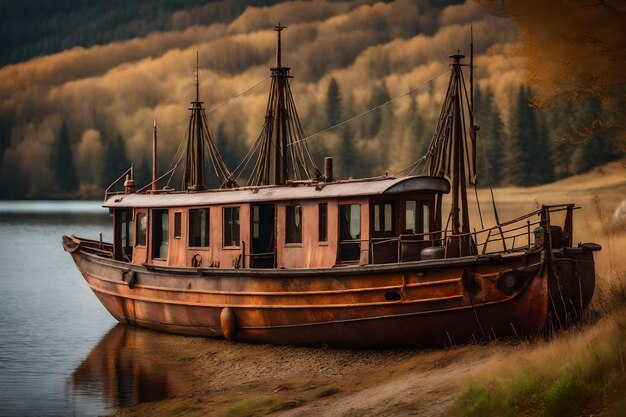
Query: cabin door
(349, 233)
(263, 222)
(123, 235)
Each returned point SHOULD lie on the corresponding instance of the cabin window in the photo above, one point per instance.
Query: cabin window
(199, 228)
(256, 220)
(142, 226)
(383, 218)
(124, 234)
(160, 234)
(323, 222)
(349, 232)
(294, 224)
(231, 226)
(127, 228)
(177, 224)
(417, 217)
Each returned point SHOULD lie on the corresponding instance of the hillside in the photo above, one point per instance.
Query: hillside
(32, 28)
(79, 106)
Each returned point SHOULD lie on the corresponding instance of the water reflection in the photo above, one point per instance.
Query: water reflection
(128, 366)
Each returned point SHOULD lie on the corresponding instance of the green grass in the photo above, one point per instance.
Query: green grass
(582, 373)
(249, 406)
(326, 392)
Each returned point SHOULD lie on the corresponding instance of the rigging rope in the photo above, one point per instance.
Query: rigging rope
(237, 96)
(370, 110)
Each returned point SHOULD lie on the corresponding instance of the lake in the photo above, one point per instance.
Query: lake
(61, 353)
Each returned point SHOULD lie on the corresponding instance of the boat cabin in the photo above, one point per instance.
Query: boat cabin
(312, 225)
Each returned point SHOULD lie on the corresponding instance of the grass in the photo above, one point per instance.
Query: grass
(576, 373)
(581, 371)
(249, 406)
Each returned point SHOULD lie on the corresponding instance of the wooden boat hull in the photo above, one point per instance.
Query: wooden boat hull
(425, 304)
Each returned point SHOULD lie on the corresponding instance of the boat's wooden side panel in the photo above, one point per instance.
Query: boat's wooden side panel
(429, 307)
(311, 253)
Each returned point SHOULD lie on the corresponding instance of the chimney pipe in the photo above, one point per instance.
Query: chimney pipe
(129, 185)
(328, 169)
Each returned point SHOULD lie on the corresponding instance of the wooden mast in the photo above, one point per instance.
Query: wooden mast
(154, 157)
(452, 153)
(280, 75)
(281, 151)
(200, 141)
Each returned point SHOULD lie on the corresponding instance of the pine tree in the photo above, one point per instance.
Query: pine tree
(115, 161)
(379, 95)
(62, 162)
(541, 152)
(333, 103)
(516, 156)
(490, 139)
(349, 161)
(528, 154)
(142, 171)
(416, 126)
(561, 120)
(595, 151)
(593, 148)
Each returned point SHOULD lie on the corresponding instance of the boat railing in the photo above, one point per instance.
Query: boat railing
(511, 236)
(97, 247)
(112, 190)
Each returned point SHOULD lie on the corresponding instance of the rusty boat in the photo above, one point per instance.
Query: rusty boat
(298, 257)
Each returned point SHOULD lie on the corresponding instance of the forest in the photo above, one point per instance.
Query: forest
(81, 83)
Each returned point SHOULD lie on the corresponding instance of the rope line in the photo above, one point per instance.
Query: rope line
(238, 95)
(370, 110)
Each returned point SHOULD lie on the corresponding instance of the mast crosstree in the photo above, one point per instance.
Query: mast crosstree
(200, 141)
(281, 153)
(452, 153)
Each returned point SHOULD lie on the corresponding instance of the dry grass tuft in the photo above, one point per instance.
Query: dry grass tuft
(577, 373)
(580, 371)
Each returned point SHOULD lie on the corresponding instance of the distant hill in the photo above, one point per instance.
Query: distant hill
(31, 28)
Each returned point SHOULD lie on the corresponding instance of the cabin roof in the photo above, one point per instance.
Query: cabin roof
(347, 189)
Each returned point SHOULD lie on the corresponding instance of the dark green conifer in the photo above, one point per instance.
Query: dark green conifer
(115, 161)
(491, 139)
(528, 156)
(379, 95)
(62, 162)
(333, 103)
(348, 154)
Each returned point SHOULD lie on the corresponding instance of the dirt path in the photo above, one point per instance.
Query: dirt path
(425, 385)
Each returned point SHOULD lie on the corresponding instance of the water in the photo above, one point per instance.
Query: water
(56, 339)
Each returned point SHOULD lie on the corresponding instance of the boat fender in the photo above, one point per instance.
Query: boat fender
(509, 281)
(131, 278)
(228, 323)
(469, 282)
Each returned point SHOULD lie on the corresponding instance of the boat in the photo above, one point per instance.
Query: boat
(298, 257)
